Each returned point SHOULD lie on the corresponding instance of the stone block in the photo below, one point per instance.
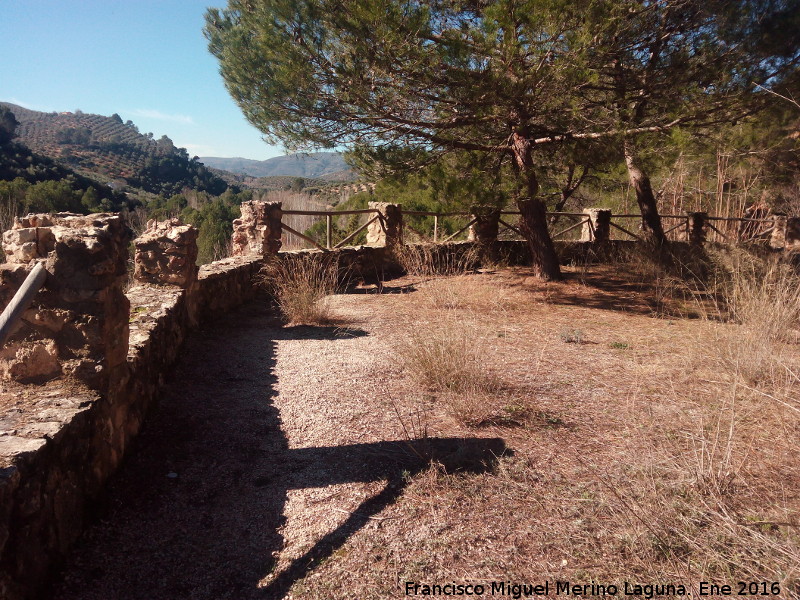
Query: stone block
(597, 227)
(77, 324)
(777, 239)
(696, 228)
(23, 245)
(258, 231)
(166, 253)
(486, 226)
(388, 229)
(792, 239)
(30, 362)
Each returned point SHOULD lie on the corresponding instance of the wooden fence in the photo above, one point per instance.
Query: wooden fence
(590, 225)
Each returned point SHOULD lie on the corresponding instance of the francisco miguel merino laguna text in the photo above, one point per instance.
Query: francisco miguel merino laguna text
(525, 590)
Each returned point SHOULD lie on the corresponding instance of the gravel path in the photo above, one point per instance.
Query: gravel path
(262, 457)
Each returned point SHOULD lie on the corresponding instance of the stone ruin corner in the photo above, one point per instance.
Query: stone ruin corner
(166, 254)
(77, 325)
(258, 231)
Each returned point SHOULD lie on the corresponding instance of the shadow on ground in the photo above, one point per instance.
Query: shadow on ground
(324, 332)
(196, 510)
(601, 291)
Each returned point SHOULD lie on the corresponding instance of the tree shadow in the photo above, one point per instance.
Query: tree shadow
(602, 291)
(197, 509)
(382, 288)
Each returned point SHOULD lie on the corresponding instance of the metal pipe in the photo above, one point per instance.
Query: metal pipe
(21, 301)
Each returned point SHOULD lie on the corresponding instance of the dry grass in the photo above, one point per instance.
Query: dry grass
(302, 285)
(636, 457)
(436, 260)
(763, 299)
(445, 357)
(446, 354)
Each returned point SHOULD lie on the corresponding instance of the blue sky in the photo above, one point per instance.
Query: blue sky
(143, 59)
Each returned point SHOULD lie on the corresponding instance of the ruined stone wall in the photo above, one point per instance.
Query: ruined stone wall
(84, 367)
(77, 326)
(258, 231)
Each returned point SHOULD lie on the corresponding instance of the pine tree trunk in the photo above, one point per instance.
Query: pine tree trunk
(533, 226)
(533, 221)
(651, 220)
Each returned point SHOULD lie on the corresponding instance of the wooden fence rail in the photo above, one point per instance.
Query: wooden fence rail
(728, 229)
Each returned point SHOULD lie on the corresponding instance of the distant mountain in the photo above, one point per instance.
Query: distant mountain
(109, 150)
(313, 165)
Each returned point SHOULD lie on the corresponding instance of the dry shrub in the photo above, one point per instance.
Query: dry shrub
(762, 298)
(302, 285)
(731, 511)
(446, 358)
(446, 295)
(467, 293)
(715, 504)
(433, 260)
(448, 355)
(475, 406)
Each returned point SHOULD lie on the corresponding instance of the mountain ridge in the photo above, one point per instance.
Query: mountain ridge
(314, 165)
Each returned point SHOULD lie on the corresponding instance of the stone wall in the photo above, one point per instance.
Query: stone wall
(81, 371)
(77, 326)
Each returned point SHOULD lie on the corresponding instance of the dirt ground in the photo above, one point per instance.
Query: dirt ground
(307, 462)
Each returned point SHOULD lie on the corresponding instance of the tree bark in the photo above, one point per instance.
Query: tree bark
(651, 220)
(533, 222)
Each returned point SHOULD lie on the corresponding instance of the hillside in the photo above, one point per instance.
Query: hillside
(29, 182)
(107, 149)
(314, 165)
(273, 182)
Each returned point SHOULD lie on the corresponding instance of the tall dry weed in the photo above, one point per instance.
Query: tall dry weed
(761, 298)
(435, 260)
(446, 358)
(670, 280)
(302, 285)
